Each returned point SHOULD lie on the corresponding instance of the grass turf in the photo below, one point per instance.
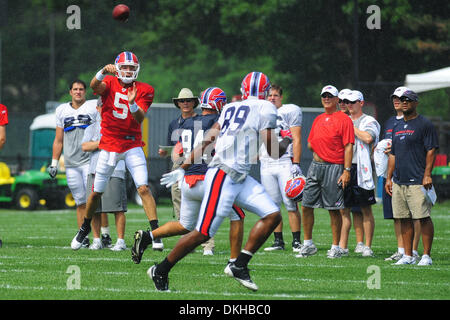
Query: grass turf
(36, 262)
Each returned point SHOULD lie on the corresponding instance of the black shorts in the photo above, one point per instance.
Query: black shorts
(387, 203)
(355, 196)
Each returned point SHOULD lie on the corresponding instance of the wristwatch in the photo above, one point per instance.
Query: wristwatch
(348, 169)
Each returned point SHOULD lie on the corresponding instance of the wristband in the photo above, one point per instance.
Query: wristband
(134, 107)
(54, 163)
(100, 75)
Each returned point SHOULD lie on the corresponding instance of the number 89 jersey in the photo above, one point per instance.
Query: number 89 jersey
(120, 131)
(240, 124)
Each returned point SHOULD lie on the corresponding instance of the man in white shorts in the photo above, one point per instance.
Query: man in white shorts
(228, 182)
(276, 173)
(72, 118)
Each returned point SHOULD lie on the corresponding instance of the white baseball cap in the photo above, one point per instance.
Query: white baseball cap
(354, 95)
(343, 92)
(399, 91)
(330, 89)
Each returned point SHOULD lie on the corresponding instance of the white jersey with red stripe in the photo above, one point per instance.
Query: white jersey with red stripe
(240, 124)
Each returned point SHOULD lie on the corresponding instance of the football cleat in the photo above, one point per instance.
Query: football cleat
(161, 281)
(213, 98)
(294, 188)
(255, 84)
(127, 58)
(80, 239)
(141, 240)
(241, 274)
(277, 245)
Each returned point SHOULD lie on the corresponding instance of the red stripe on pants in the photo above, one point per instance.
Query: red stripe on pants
(211, 206)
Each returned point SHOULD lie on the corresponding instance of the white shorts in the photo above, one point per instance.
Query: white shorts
(107, 161)
(191, 199)
(220, 195)
(274, 178)
(77, 180)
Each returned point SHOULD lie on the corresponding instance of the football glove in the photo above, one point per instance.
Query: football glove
(296, 170)
(169, 179)
(52, 171)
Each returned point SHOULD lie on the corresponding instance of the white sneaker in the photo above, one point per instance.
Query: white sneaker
(306, 251)
(344, 252)
(208, 252)
(395, 257)
(425, 261)
(367, 252)
(96, 244)
(416, 255)
(334, 253)
(119, 246)
(406, 260)
(359, 248)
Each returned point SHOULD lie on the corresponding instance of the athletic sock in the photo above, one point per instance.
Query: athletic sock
(86, 224)
(278, 235)
(401, 250)
(308, 242)
(153, 224)
(296, 236)
(243, 259)
(105, 230)
(164, 267)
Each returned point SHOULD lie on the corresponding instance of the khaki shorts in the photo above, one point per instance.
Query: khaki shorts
(408, 201)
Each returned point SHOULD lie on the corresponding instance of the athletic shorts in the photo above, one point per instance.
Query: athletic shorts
(221, 192)
(321, 189)
(355, 196)
(76, 180)
(114, 199)
(134, 160)
(408, 201)
(387, 203)
(191, 200)
(274, 178)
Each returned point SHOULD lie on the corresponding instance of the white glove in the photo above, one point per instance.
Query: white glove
(52, 171)
(296, 170)
(169, 179)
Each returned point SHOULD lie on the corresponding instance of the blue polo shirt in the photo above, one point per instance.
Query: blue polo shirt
(411, 140)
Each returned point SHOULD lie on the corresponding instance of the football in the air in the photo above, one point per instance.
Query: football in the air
(121, 12)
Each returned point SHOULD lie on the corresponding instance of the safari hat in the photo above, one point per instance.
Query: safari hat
(185, 93)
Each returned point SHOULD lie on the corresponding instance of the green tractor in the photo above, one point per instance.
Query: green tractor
(34, 188)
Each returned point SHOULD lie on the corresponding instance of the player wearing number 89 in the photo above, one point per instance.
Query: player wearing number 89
(228, 182)
(124, 104)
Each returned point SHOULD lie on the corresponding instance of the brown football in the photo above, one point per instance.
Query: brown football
(121, 12)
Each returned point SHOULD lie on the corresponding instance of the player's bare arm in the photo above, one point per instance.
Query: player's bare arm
(427, 181)
(296, 143)
(274, 148)
(58, 143)
(137, 113)
(98, 86)
(90, 146)
(364, 136)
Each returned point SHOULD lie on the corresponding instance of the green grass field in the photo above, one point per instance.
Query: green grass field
(36, 263)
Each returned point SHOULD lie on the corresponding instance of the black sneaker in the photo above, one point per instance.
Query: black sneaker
(85, 243)
(161, 281)
(141, 241)
(106, 241)
(242, 275)
(277, 245)
(296, 246)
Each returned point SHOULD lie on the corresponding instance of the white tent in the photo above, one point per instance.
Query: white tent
(429, 80)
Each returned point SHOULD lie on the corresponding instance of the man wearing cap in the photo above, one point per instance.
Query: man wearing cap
(408, 181)
(341, 96)
(381, 156)
(186, 102)
(360, 192)
(331, 140)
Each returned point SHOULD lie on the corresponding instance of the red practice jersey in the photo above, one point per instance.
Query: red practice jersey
(120, 131)
(329, 135)
(3, 115)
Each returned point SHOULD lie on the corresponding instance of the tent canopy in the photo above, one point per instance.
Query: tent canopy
(429, 80)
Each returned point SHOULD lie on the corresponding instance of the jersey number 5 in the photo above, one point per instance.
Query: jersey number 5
(119, 105)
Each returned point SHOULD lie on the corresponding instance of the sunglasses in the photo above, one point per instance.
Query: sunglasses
(186, 100)
(405, 99)
(345, 101)
(327, 95)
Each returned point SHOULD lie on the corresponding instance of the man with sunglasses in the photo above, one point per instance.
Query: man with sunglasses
(186, 102)
(360, 192)
(331, 140)
(381, 156)
(408, 181)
